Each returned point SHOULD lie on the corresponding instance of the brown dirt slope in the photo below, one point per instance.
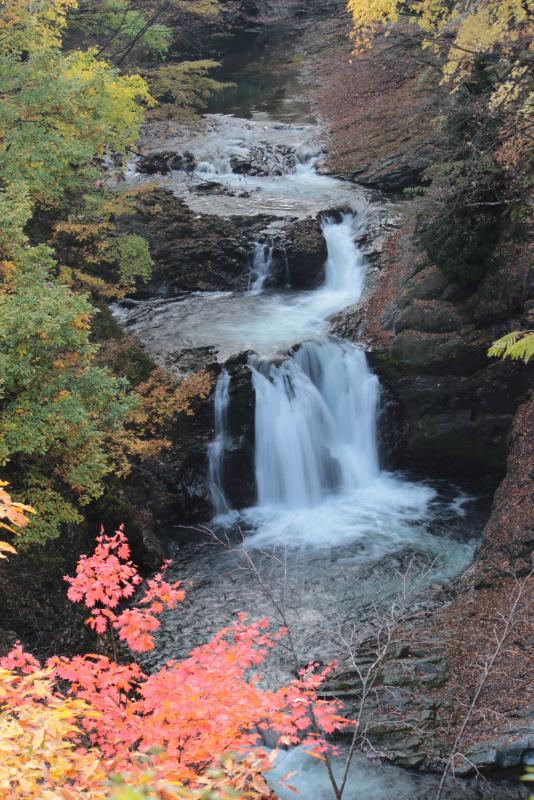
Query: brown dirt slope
(379, 107)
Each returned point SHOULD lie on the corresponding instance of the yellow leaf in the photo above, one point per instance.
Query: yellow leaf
(7, 527)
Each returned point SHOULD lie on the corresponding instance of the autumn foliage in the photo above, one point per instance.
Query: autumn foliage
(194, 726)
(13, 516)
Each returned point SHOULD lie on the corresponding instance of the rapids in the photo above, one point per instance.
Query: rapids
(331, 531)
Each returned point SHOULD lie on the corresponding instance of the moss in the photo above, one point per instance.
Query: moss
(125, 358)
(104, 325)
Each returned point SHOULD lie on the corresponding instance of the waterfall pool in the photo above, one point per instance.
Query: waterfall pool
(331, 532)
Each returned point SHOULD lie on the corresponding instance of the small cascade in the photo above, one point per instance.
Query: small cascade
(306, 160)
(345, 267)
(287, 271)
(217, 448)
(315, 425)
(262, 264)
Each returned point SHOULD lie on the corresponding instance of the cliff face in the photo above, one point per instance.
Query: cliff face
(459, 413)
(430, 342)
(378, 107)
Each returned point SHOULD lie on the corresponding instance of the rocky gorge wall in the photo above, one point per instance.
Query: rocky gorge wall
(457, 413)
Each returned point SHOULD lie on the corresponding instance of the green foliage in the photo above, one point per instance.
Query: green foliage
(55, 512)
(529, 778)
(117, 23)
(101, 258)
(183, 88)
(517, 345)
(65, 419)
(484, 177)
(134, 29)
(133, 258)
(58, 113)
(15, 210)
(57, 407)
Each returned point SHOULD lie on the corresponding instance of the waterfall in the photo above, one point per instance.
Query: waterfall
(306, 161)
(317, 471)
(316, 412)
(217, 448)
(315, 425)
(262, 264)
(345, 267)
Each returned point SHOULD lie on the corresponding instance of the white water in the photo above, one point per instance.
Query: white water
(317, 471)
(262, 264)
(371, 780)
(269, 323)
(217, 448)
(315, 425)
(300, 192)
(332, 530)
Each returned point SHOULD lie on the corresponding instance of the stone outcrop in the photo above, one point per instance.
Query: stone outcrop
(204, 252)
(304, 255)
(194, 252)
(429, 345)
(178, 479)
(162, 162)
(265, 159)
(238, 468)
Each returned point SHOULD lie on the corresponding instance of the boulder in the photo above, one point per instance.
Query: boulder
(238, 470)
(162, 162)
(304, 255)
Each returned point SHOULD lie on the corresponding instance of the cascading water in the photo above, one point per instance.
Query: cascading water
(336, 530)
(316, 462)
(262, 264)
(345, 267)
(217, 448)
(316, 412)
(315, 425)
(316, 468)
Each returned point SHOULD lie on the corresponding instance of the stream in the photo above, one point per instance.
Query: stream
(331, 531)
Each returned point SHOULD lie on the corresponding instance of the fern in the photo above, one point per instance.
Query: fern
(517, 345)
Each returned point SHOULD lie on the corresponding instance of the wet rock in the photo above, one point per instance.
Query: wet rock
(305, 255)
(193, 252)
(179, 477)
(242, 166)
(429, 318)
(238, 469)
(396, 173)
(211, 187)
(455, 415)
(375, 231)
(191, 359)
(454, 405)
(265, 159)
(162, 162)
